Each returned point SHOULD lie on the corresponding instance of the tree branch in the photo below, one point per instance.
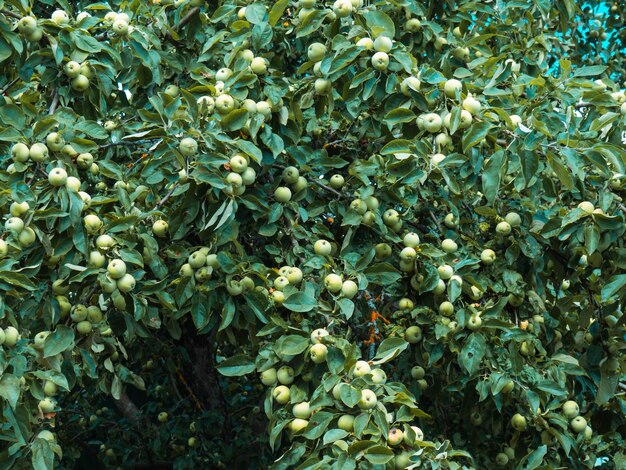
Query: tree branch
(9, 85)
(167, 196)
(185, 19)
(129, 410)
(55, 102)
(11, 14)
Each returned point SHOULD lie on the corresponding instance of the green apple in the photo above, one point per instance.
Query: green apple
(318, 353)
(508, 387)
(297, 425)
(120, 27)
(379, 376)
(349, 289)
(380, 61)
(368, 399)
(159, 228)
(316, 51)
(518, 422)
(285, 375)
(116, 269)
(450, 221)
(446, 308)
(258, 66)
(84, 160)
(342, 8)
(588, 433)
(503, 228)
(587, 207)
(346, 423)
(80, 83)
(46, 435)
(322, 85)
(383, 44)
(278, 297)
(223, 74)
(126, 283)
(411, 240)
(290, 175)
(60, 17)
(282, 194)
(27, 25)
(359, 206)
(366, 43)
(38, 152)
(39, 339)
(578, 424)
(47, 405)
(513, 219)
(4, 248)
(162, 417)
(197, 259)
(502, 459)
(55, 141)
(20, 152)
(333, 283)
(383, 250)
(570, 409)
(432, 122)
(238, 164)
(224, 104)
(294, 276)
(280, 283)
(391, 217)
(413, 334)
(264, 108)
(408, 254)
(57, 177)
(188, 146)
(336, 181)
(445, 272)
(11, 336)
(300, 185)
(26, 237)
(361, 368)
(418, 372)
(268, 377)
(302, 410)
(318, 334)
(105, 242)
(92, 223)
(488, 256)
(94, 314)
(72, 184)
(449, 246)
(281, 394)
(84, 327)
(451, 87)
(14, 225)
(474, 323)
(249, 176)
(395, 437)
(17, 209)
(172, 90)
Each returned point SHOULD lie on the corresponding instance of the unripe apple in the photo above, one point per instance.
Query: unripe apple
(26, 237)
(322, 85)
(27, 25)
(361, 368)
(372, 203)
(47, 405)
(4, 248)
(290, 175)
(379, 376)
(446, 308)
(92, 223)
(14, 225)
(349, 289)
(518, 422)
(346, 423)
(418, 372)
(72, 184)
(449, 246)
(297, 425)
(359, 206)
(258, 66)
(336, 181)
(432, 122)
(380, 61)
(578, 424)
(366, 43)
(281, 394)
(368, 400)
(238, 164)
(80, 83)
(391, 217)
(84, 327)
(84, 160)
(264, 108)
(318, 353)
(197, 259)
(488, 256)
(588, 433)
(502, 459)
(116, 269)
(188, 146)
(282, 194)
(60, 17)
(126, 283)
(408, 254)
(503, 228)
(280, 283)
(278, 297)
(474, 323)
(223, 74)
(586, 207)
(413, 334)
(318, 334)
(342, 8)
(57, 177)
(333, 283)
(570, 409)
(20, 152)
(515, 121)
(411, 240)
(268, 377)
(445, 271)
(383, 44)
(94, 314)
(451, 86)
(162, 417)
(159, 228)
(11, 336)
(450, 221)
(471, 104)
(395, 437)
(383, 250)
(285, 375)
(302, 410)
(120, 27)
(38, 152)
(322, 248)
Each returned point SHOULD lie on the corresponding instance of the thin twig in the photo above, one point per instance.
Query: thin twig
(11, 14)
(55, 102)
(622, 207)
(317, 182)
(9, 85)
(435, 220)
(187, 17)
(167, 196)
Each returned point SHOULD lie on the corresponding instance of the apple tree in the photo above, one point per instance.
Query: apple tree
(312, 234)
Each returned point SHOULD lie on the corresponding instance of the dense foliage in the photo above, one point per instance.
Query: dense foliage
(314, 234)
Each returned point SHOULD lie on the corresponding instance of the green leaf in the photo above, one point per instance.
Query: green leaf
(236, 366)
(561, 171)
(379, 23)
(235, 120)
(17, 279)
(10, 389)
(311, 23)
(277, 11)
(615, 284)
(472, 353)
(475, 134)
(58, 341)
(389, 349)
(43, 456)
(590, 71)
(318, 424)
(300, 302)
(535, 458)
(379, 455)
(492, 175)
(291, 345)
(399, 115)
(92, 129)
